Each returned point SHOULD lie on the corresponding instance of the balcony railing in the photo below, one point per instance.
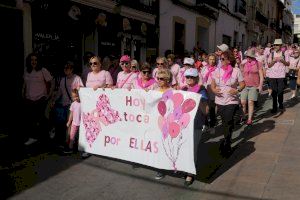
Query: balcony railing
(149, 6)
(212, 3)
(261, 18)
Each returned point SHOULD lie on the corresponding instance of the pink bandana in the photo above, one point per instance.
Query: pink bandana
(211, 69)
(147, 84)
(228, 71)
(195, 88)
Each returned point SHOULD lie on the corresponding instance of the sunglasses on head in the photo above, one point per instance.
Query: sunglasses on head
(93, 63)
(146, 72)
(159, 63)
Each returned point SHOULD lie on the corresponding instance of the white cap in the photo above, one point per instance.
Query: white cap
(191, 72)
(278, 41)
(223, 47)
(188, 61)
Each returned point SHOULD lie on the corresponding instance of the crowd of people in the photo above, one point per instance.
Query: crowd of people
(228, 80)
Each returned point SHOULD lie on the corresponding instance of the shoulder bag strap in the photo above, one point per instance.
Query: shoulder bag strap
(67, 89)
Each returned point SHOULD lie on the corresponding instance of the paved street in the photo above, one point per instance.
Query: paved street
(264, 165)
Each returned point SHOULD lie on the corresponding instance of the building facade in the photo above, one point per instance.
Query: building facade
(231, 23)
(182, 26)
(297, 29)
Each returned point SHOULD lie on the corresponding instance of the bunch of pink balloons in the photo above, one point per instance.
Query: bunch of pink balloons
(174, 118)
(103, 113)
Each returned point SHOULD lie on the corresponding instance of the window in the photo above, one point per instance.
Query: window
(227, 40)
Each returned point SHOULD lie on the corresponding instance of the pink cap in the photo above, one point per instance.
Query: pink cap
(125, 58)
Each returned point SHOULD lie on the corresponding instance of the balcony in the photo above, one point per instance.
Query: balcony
(212, 3)
(148, 6)
(240, 6)
(261, 18)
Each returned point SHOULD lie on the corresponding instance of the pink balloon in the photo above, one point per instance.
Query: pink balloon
(184, 120)
(162, 108)
(167, 95)
(177, 99)
(177, 113)
(188, 105)
(171, 117)
(165, 131)
(161, 120)
(174, 129)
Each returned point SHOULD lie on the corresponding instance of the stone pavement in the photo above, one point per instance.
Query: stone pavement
(264, 165)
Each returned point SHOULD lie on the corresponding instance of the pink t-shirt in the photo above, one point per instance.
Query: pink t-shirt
(100, 79)
(278, 70)
(204, 71)
(295, 62)
(251, 77)
(175, 69)
(232, 82)
(35, 87)
(76, 110)
(126, 80)
(151, 84)
(72, 83)
(181, 78)
(154, 73)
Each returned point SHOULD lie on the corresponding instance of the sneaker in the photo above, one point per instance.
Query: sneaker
(249, 122)
(85, 155)
(159, 176)
(30, 141)
(293, 96)
(281, 106)
(188, 181)
(67, 150)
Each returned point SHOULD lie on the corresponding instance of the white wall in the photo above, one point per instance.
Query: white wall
(167, 11)
(227, 25)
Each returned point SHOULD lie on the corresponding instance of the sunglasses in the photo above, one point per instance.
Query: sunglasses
(189, 77)
(146, 72)
(223, 59)
(68, 67)
(161, 78)
(124, 63)
(159, 63)
(93, 63)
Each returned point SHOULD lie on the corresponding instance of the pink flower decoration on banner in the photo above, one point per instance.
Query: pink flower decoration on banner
(167, 95)
(188, 105)
(106, 113)
(92, 127)
(177, 99)
(103, 113)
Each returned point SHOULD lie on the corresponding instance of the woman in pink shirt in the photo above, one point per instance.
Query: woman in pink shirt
(126, 78)
(277, 64)
(174, 67)
(226, 83)
(162, 63)
(98, 77)
(293, 71)
(253, 75)
(37, 83)
(145, 81)
(187, 63)
(206, 74)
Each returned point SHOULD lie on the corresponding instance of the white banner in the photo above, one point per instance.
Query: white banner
(150, 128)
